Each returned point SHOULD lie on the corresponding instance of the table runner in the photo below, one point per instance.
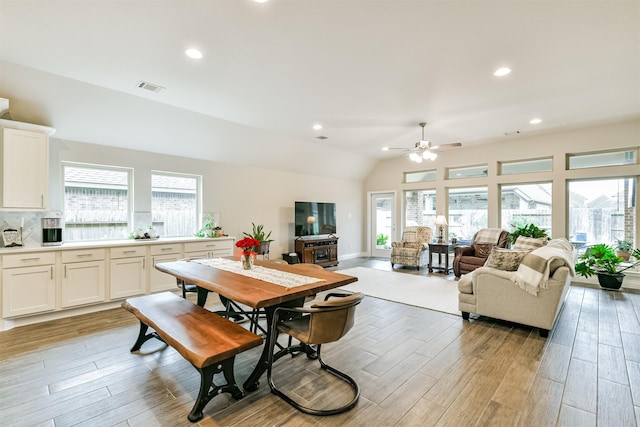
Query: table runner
(277, 277)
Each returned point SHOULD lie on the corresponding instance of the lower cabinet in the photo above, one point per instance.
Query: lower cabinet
(65, 278)
(28, 284)
(209, 249)
(82, 282)
(128, 272)
(158, 280)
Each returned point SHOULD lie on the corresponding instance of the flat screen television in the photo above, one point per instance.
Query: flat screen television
(315, 218)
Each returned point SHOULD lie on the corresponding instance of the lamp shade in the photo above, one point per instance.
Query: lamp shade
(311, 219)
(441, 220)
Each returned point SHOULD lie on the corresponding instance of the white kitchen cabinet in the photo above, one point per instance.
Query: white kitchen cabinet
(28, 284)
(127, 272)
(83, 277)
(159, 281)
(212, 248)
(25, 165)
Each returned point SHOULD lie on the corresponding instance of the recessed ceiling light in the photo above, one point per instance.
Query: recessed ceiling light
(502, 72)
(193, 53)
(535, 121)
(317, 126)
(260, 1)
(385, 148)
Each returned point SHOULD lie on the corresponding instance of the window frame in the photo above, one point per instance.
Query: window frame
(198, 191)
(130, 197)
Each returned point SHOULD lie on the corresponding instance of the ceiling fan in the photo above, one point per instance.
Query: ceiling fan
(424, 150)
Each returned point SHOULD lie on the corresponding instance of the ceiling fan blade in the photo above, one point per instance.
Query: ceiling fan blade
(446, 146)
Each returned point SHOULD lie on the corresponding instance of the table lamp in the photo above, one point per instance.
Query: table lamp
(441, 221)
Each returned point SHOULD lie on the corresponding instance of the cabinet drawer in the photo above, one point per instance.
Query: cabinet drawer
(83, 255)
(210, 245)
(175, 248)
(28, 260)
(128, 252)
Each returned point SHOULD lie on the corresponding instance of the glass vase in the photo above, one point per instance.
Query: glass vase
(247, 260)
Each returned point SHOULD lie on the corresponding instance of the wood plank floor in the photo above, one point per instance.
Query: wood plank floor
(415, 367)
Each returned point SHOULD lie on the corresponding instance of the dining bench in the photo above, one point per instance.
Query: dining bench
(207, 340)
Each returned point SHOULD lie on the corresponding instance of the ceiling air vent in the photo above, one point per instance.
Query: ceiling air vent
(150, 86)
(322, 137)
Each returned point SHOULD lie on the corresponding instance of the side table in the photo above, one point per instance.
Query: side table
(440, 249)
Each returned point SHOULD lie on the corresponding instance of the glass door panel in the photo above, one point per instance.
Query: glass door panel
(382, 223)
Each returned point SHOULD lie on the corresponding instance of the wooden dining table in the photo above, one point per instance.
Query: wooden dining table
(255, 293)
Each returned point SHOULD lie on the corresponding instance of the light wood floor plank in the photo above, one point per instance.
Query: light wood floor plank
(415, 367)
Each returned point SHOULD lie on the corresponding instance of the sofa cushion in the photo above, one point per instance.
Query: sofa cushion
(528, 243)
(482, 249)
(505, 259)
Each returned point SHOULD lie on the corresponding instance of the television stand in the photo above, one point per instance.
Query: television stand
(323, 251)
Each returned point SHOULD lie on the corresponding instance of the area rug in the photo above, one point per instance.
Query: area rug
(430, 292)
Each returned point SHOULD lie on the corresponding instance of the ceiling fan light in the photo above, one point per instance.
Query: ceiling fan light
(414, 157)
(432, 156)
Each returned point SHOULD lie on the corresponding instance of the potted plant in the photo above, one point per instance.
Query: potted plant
(623, 249)
(258, 233)
(208, 229)
(601, 260)
(527, 230)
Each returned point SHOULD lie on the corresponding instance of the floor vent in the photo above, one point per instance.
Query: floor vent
(150, 86)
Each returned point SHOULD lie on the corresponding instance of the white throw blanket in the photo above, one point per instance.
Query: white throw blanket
(533, 272)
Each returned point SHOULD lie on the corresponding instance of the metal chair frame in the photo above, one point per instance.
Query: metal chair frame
(281, 315)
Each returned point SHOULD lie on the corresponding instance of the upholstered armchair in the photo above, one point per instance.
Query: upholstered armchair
(468, 258)
(409, 251)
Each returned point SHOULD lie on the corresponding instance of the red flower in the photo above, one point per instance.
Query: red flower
(248, 244)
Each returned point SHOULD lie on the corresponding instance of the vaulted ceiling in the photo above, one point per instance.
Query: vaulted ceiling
(367, 71)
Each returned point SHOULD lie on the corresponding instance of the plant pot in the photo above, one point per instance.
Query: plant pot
(264, 248)
(610, 281)
(624, 255)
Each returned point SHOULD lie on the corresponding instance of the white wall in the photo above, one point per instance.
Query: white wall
(388, 175)
(241, 194)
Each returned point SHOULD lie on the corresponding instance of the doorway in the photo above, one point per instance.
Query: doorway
(383, 222)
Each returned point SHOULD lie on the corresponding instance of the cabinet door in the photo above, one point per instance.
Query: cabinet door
(160, 281)
(127, 277)
(28, 290)
(25, 176)
(82, 283)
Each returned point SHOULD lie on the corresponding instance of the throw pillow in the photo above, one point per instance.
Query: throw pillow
(528, 243)
(482, 249)
(505, 259)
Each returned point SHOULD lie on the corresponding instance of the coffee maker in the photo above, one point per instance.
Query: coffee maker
(51, 231)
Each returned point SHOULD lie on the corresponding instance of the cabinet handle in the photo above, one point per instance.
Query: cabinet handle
(166, 249)
(129, 252)
(29, 259)
(83, 255)
(211, 246)
(42, 200)
(65, 271)
(51, 269)
(144, 263)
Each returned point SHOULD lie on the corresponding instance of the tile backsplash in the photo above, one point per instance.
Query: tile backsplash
(32, 228)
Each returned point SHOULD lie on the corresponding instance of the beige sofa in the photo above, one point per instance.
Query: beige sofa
(493, 292)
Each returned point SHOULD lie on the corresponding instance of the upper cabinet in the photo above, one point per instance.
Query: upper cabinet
(25, 165)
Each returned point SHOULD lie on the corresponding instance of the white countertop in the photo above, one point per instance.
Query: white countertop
(107, 244)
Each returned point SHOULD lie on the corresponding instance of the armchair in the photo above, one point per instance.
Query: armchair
(468, 258)
(409, 251)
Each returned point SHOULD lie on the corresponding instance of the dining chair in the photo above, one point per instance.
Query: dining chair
(321, 323)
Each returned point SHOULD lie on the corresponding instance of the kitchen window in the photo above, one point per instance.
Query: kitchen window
(175, 203)
(97, 202)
